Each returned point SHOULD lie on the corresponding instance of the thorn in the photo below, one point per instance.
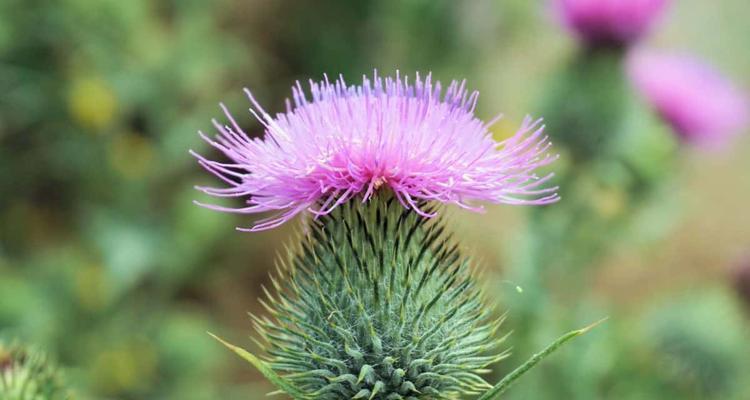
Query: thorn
(592, 326)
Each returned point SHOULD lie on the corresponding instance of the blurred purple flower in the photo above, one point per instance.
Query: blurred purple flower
(349, 141)
(609, 22)
(702, 106)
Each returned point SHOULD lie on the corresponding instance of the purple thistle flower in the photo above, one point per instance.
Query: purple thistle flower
(618, 22)
(349, 141)
(702, 106)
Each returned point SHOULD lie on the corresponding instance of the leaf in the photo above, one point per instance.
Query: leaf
(264, 369)
(509, 379)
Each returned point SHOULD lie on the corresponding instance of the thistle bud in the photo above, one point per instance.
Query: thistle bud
(26, 374)
(376, 302)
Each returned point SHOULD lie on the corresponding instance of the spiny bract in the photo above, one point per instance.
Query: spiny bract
(26, 374)
(377, 303)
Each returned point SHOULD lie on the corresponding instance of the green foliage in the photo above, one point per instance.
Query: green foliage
(27, 374)
(698, 345)
(376, 302)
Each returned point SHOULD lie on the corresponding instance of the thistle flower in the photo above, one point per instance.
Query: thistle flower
(702, 106)
(348, 141)
(609, 22)
(27, 374)
(375, 301)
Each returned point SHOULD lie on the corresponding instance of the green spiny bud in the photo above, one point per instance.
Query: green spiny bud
(26, 374)
(376, 302)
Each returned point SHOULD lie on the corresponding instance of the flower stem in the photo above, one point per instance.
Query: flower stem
(509, 379)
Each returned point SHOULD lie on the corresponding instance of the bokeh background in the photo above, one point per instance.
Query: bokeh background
(106, 264)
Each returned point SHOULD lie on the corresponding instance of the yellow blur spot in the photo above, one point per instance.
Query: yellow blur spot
(131, 155)
(504, 129)
(91, 287)
(609, 202)
(126, 367)
(92, 103)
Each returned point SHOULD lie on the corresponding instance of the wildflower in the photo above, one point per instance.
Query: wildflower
(352, 141)
(703, 107)
(609, 22)
(375, 301)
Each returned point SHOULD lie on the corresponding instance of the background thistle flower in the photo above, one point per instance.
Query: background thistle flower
(27, 374)
(376, 302)
(702, 106)
(609, 22)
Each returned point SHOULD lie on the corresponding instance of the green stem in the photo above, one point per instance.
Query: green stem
(509, 379)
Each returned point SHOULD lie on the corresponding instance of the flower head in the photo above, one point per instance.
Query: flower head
(702, 106)
(618, 22)
(349, 141)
